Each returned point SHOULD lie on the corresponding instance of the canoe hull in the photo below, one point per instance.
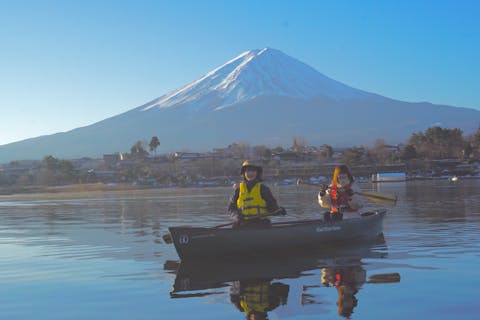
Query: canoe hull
(196, 243)
(206, 274)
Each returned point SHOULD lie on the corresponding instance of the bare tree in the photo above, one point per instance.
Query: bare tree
(138, 151)
(326, 151)
(299, 144)
(438, 143)
(154, 144)
(239, 149)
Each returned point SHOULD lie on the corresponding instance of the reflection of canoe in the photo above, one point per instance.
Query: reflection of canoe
(194, 242)
(209, 274)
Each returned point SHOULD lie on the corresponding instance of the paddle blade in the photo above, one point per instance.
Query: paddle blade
(384, 278)
(379, 197)
(167, 238)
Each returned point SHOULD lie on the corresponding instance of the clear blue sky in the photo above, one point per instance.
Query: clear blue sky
(66, 64)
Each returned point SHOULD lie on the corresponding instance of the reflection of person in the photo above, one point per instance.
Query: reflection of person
(340, 196)
(252, 200)
(256, 297)
(348, 281)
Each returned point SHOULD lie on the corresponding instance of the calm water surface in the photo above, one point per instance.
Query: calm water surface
(101, 255)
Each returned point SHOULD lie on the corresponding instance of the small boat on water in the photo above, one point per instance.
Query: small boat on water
(454, 179)
(198, 243)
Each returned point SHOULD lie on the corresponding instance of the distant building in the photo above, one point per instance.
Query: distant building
(191, 155)
(389, 177)
(87, 163)
(112, 159)
(105, 175)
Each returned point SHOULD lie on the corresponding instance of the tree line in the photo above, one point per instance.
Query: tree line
(435, 143)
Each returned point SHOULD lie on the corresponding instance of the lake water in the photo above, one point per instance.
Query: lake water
(101, 255)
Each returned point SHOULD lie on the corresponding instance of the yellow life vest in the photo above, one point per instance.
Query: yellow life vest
(255, 297)
(251, 203)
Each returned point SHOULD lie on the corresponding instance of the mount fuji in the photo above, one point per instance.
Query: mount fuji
(260, 97)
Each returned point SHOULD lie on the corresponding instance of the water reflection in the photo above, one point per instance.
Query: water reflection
(256, 297)
(295, 281)
(347, 281)
(106, 251)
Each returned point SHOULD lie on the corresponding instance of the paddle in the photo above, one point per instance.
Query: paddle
(384, 278)
(375, 196)
(168, 237)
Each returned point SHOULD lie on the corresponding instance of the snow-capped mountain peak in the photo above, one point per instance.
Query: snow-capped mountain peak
(264, 72)
(293, 100)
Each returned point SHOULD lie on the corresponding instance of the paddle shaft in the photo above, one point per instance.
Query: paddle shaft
(230, 223)
(274, 213)
(379, 197)
(168, 237)
(318, 185)
(364, 194)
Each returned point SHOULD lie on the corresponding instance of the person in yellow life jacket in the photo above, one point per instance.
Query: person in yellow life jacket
(252, 201)
(257, 297)
(340, 196)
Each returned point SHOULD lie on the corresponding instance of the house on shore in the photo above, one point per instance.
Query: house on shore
(389, 177)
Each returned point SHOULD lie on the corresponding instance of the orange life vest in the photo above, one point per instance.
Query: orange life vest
(339, 198)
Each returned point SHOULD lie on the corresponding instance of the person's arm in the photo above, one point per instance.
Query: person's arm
(270, 200)
(233, 210)
(356, 201)
(324, 199)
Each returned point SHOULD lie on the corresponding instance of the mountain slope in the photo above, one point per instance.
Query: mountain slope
(259, 97)
(266, 72)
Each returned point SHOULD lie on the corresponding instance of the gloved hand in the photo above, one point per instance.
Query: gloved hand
(323, 190)
(281, 211)
(236, 215)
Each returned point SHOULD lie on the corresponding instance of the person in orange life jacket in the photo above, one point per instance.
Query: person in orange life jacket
(348, 281)
(252, 200)
(340, 196)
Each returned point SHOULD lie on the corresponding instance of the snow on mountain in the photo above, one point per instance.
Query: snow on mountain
(287, 98)
(254, 73)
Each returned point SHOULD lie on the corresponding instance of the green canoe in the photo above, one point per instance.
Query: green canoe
(198, 243)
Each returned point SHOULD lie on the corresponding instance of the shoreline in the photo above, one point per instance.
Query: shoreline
(87, 187)
(103, 187)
